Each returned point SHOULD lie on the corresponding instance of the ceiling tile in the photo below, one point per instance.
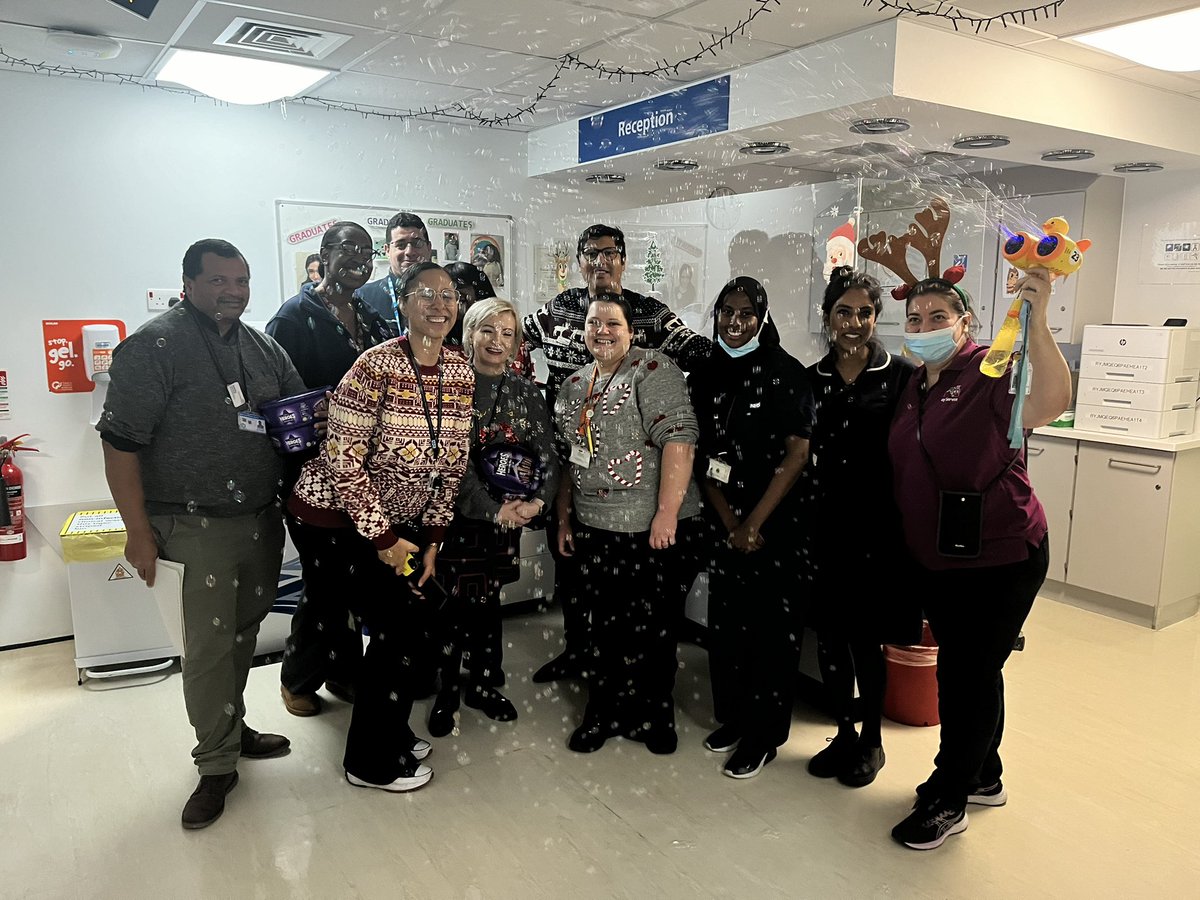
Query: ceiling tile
(649, 45)
(30, 44)
(1077, 54)
(384, 15)
(548, 112)
(1181, 82)
(99, 17)
(544, 28)
(786, 25)
(576, 86)
(446, 62)
(389, 93)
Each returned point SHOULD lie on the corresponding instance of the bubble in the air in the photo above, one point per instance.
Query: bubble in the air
(191, 506)
(161, 342)
(216, 620)
(258, 591)
(211, 580)
(229, 710)
(463, 759)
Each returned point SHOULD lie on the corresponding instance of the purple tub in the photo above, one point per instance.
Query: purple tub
(292, 412)
(294, 440)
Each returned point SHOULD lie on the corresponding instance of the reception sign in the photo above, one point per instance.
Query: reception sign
(693, 111)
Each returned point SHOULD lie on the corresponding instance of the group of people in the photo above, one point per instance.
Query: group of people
(816, 496)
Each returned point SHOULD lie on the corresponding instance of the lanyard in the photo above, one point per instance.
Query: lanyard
(434, 436)
(486, 428)
(225, 382)
(358, 335)
(389, 284)
(588, 409)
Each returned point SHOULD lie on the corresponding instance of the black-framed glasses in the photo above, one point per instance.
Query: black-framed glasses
(415, 243)
(591, 254)
(353, 249)
(427, 295)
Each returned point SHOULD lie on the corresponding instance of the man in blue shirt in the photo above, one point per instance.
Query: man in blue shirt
(407, 243)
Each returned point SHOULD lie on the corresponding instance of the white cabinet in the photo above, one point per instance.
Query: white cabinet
(1052, 472)
(1124, 524)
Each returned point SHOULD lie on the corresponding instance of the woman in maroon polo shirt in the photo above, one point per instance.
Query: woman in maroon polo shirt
(975, 529)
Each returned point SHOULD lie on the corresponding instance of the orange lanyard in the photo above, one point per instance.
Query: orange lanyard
(588, 408)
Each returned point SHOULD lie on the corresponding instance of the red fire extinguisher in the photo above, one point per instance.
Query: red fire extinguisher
(12, 509)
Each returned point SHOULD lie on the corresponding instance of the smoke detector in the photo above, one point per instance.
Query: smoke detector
(83, 46)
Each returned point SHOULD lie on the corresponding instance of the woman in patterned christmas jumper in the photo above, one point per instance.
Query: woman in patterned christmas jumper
(631, 435)
(380, 499)
(512, 476)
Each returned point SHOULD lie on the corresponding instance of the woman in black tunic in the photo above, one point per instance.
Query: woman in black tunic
(853, 548)
(754, 409)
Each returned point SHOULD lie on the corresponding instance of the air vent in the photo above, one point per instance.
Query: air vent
(280, 40)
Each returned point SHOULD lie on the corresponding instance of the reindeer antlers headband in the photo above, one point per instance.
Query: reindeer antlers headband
(925, 234)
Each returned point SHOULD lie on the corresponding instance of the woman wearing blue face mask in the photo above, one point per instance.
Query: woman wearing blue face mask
(755, 413)
(975, 529)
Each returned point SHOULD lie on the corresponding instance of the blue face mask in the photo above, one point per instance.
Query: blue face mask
(749, 347)
(932, 347)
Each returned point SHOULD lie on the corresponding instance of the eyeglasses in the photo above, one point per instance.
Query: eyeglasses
(427, 294)
(353, 249)
(591, 254)
(415, 243)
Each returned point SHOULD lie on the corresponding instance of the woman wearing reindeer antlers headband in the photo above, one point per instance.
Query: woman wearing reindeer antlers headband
(970, 517)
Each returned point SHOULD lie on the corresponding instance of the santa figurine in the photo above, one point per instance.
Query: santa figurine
(839, 248)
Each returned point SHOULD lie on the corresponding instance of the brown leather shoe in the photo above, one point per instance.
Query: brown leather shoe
(256, 745)
(300, 704)
(208, 800)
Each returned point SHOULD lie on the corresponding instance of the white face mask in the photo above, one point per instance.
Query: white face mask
(749, 347)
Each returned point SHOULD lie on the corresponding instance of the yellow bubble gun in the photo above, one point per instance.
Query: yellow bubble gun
(1054, 250)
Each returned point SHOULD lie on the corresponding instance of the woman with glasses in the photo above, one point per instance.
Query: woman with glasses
(755, 412)
(974, 527)
(512, 477)
(375, 505)
(324, 329)
(631, 435)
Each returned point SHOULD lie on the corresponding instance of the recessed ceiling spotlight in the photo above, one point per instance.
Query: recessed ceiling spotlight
(887, 125)
(1066, 155)
(982, 142)
(1126, 168)
(606, 178)
(676, 165)
(765, 148)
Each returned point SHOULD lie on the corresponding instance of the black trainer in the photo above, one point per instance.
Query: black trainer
(835, 758)
(723, 739)
(929, 824)
(865, 764)
(995, 795)
(747, 761)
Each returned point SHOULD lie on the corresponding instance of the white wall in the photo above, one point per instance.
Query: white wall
(104, 187)
(1155, 200)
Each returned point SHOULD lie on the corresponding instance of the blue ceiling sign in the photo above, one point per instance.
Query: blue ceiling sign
(690, 112)
(142, 8)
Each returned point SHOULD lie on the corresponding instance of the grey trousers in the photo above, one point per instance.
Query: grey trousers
(230, 579)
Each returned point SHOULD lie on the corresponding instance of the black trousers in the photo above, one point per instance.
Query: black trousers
(325, 642)
(576, 608)
(339, 562)
(754, 621)
(474, 570)
(634, 595)
(976, 615)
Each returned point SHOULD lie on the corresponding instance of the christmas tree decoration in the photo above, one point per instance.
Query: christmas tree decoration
(654, 266)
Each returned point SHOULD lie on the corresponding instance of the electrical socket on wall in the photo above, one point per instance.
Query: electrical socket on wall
(158, 300)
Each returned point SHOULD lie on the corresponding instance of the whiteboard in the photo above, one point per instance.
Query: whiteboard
(454, 236)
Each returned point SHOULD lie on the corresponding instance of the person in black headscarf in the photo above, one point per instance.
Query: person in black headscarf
(755, 411)
(473, 286)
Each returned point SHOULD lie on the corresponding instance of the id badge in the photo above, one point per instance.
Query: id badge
(235, 393)
(1012, 378)
(580, 456)
(248, 421)
(719, 470)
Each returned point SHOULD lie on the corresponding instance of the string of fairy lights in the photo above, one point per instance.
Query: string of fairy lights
(661, 69)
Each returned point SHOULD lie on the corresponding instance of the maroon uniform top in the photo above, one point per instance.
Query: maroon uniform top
(962, 422)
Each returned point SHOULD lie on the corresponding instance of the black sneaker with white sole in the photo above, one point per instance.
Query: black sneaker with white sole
(747, 761)
(420, 749)
(723, 739)
(413, 775)
(995, 795)
(929, 824)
